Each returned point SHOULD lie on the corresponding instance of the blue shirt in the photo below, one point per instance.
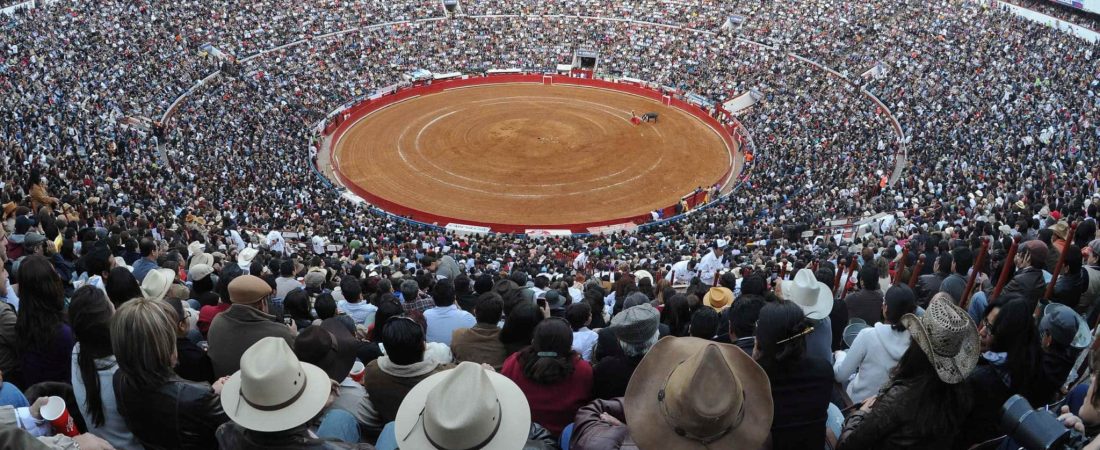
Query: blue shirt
(362, 312)
(142, 267)
(443, 320)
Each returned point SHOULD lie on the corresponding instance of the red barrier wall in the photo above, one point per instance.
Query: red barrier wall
(346, 118)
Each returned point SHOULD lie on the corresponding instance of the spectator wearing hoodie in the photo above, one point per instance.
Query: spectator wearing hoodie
(876, 350)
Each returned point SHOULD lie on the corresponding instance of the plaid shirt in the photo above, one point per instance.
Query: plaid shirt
(422, 303)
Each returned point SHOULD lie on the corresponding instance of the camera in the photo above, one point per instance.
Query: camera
(1037, 429)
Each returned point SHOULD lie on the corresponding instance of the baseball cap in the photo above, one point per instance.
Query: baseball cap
(1065, 326)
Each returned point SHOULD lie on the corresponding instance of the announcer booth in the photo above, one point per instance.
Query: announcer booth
(585, 61)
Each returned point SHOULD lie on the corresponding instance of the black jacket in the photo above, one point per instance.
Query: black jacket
(177, 415)
(989, 384)
(1029, 282)
(927, 286)
(891, 424)
(1070, 287)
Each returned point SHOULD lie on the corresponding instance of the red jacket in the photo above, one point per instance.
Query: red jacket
(553, 405)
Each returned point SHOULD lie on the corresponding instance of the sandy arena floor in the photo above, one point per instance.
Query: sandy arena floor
(529, 154)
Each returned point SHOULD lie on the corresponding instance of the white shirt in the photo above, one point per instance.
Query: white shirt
(236, 237)
(680, 274)
(583, 342)
(318, 244)
(276, 242)
(580, 261)
(710, 264)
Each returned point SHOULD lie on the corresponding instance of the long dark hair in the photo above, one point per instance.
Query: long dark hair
(42, 304)
(90, 312)
(387, 307)
(677, 315)
(549, 358)
(781, 335)
(594, 298)
(519, 326)
(121, 286)
(940, 407)
(1014, 333)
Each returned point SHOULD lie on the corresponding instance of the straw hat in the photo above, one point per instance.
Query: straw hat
(273, 391)
(718, 298)
(465, 407)
(670, 401)
(814, 297)
(156, 283)
(948, 336)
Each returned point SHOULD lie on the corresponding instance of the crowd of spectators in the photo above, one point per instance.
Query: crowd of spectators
(185, 266)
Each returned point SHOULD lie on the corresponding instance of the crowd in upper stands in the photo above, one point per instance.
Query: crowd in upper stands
(182, 270)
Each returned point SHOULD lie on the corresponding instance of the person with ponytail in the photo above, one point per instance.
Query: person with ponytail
(94, 367)
(554, 378)
(801, 383)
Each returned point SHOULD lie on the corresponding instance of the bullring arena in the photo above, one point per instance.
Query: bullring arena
(508, 152)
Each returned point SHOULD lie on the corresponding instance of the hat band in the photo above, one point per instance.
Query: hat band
(478, 446)
(290, 401)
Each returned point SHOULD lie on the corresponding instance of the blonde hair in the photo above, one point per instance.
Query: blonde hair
(143, 337)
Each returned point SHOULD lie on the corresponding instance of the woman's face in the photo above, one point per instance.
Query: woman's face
(985, 331)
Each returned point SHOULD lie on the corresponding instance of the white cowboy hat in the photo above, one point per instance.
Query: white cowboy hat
(156, 283)
(273, 391)
(465, 407)
(814, 297)
(244, 259)
(643, 274)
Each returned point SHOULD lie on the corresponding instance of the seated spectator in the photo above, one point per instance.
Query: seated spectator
(464, 293)
(467, 407)
(519, 326)
(663, 407)
(207, 313)
(1073, 282)
(331, 346)
(9, 338)
(296, 305)
(390, 377)
(635, 330)
(1030, 261)
(866, 303)
(353, 304)
(704, 323)
(193, 363)
(1009, 364)
(286, 282)
(866, 366)
(926, 399)
(928, 285)
(606, 342)
(369, 351)
(45, 340)
(743, 314)
(413, 299)
(816, 300)
(481, 343)
(273, 399)
(243, 324)
(446, 316)
(161, 409)
(554, 378)
(676, 314)
(579, 316)
(801, 382)
(94, 367)
(121, 286)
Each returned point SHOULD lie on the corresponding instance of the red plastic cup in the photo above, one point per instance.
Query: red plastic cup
(357, 371)
(57, 414)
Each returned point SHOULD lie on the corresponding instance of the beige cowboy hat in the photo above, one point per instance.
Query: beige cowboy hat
(465, 407)
(245, 257)
(273, 391)
(156, 283)
(670, 401)
(948, 336)
(814, 297)
(201, 258)
(718, 298)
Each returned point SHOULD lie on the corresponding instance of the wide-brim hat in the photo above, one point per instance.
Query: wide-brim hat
(273, 391)
(670, 401)
(201, 258)
(330, 346)
(638, 275)
(814, 297)
(245, 257)
(464, 407)
(156, 283)
(718, 298)
(947, 336)
(199, 271)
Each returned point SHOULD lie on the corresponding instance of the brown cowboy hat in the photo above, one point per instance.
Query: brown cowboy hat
(670, 401)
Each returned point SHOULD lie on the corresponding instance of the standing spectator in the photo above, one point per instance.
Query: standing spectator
(554, 378)
(446, 317)
(161, 409)
(354, 305)
(94, 367)
(481, 343)
(927, 399)
(876, 350)
(243, 324)
(45, 340)
(802, 383)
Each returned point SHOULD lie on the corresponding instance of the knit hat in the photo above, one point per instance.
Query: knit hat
(636, 325)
